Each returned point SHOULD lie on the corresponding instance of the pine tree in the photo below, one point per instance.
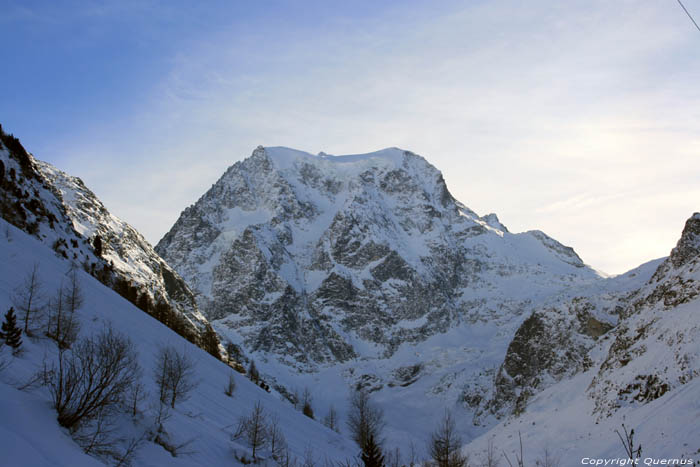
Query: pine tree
(10, 332)
(371, 453)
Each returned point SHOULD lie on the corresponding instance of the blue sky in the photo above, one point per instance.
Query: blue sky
(579, 118)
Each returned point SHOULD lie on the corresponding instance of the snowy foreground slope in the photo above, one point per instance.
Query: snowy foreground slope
(29, 433)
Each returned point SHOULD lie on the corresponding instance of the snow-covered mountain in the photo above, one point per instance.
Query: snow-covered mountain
(63, 213)
(642, 373)
(362, 271)
(325, 259)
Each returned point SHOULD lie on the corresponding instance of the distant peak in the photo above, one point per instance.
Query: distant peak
(688, 247)
(284, 157)
(493, 221)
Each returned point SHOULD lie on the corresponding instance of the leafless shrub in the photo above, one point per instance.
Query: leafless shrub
(628, 443)
(91, 379)
(174, 375)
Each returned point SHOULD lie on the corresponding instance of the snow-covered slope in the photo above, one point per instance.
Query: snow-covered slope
(325, 259)
(30, 435)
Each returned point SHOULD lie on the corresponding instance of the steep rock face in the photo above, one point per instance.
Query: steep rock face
(656, 347)
(326, 258)
(62, 212)
(554, 343)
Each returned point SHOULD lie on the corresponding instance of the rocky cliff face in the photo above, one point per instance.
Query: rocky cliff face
(321, 259)
(62, 212)
(649, 324)
(656, 347)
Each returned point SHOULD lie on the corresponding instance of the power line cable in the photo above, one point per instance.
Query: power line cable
(689, 15)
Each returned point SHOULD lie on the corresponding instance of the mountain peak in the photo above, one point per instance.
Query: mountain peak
(284, 158)
(370, 247)
(688, 246)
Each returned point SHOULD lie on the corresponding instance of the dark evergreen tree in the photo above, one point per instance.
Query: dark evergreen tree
(10, 332)
(210, 341)
(97, 244)
(372, 454)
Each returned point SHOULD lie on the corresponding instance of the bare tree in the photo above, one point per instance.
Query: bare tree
(126, 458)
(137, 394)
(74, 293)
(92, 378)
(63, 325)
(174, 375)
(365, 420)
(393, 458)
(445, 445)
(519, 459)
(331, 419)
(490, 458)
(278, 443)
(230, 386)
(253, 429)
(309, 460)
(412, 455)
(29, 298)
(97, 436)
